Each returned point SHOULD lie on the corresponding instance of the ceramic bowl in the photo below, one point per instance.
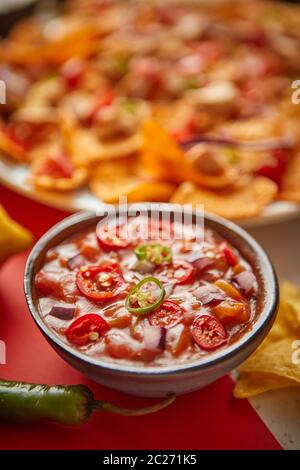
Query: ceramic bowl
(157, 381)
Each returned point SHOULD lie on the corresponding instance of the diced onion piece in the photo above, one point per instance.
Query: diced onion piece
(63, 313)
(246, 282)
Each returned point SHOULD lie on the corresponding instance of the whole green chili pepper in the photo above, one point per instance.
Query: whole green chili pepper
(73, 404)
(140, 301)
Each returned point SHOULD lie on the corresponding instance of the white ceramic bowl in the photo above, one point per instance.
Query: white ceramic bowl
(158, 381)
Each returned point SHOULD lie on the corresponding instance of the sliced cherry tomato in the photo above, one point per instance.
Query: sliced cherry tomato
(178, 272)
(100, 282)
(167, 315)
(86, 329)
(111, 238)
(208, 332)
(229, 254)
(275, 170)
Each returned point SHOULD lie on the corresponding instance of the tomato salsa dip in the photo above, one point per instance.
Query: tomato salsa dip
(147, 302)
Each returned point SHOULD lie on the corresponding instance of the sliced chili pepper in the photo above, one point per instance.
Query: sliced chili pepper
(86, 329)
(167, 315)
(208, 332)
(23, 402)
(141, 300)
(178, 272)
(110, 238)
(230, 256)
(154, 252)
(100, 282)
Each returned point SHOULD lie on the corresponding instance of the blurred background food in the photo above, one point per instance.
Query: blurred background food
(161, 100)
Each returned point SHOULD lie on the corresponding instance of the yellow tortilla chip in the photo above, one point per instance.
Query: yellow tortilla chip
(276, 363)
(290, 190)
(256, 128)
(237, 202)
(251, 384)
(164, 160)
(47, 181)
(275, 358)
(13, 237)
(113, 179)
(12, 148)
(78, 40)
(86, 148)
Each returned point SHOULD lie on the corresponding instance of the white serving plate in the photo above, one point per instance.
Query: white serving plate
(15, 177)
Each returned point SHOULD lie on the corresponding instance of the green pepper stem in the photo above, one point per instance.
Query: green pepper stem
(100, 405)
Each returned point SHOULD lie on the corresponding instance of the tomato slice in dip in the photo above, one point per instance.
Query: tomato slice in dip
(156, 301)
(100, 282)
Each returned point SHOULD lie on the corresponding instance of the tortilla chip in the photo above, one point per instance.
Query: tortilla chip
(275, 358)
(275, 364)
(12, 148)
(233, 203)
(256, 128)
(44, 181)
(86, 148)
(163, 159)
(290, 189)
(78, 40)
(60, 184)
(113, 179)
(251, 384)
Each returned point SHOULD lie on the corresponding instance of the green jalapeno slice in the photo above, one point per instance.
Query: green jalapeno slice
(145, 296)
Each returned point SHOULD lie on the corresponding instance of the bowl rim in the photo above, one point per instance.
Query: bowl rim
(260, 327)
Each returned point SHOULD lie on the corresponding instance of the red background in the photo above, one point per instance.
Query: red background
(208, 419)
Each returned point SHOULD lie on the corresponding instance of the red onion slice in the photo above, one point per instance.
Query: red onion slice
(163, 336)
(154, 337)
(63, 313)
(203, 263)
(169, 289)
(209, 293)
(259, 145)
(76, 261)
(246, 282)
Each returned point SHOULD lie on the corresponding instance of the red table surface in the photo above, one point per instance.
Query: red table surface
(207, 419)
